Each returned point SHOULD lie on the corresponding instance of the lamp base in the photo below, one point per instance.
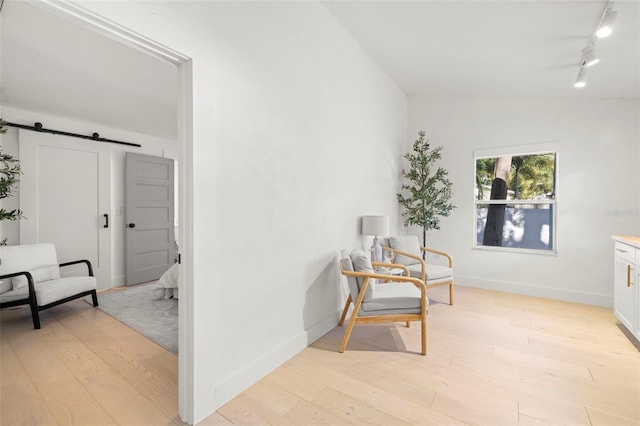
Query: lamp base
(376, 250)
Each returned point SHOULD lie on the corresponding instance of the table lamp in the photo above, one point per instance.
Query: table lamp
(376, 226)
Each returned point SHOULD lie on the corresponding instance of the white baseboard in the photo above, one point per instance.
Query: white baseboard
(588, 298)
(117, 281)
(237, 382)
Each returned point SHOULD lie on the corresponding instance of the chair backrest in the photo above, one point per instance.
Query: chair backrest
(27, 257)
(358, 261)
(347, 265)
(409, 244)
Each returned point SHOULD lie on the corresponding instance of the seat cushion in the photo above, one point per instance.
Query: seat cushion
(434, 272)
(362, 263)
(399, 298)
(409, 244)
(21, 293)
(54, 290)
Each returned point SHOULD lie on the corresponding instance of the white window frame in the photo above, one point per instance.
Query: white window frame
(532, 149)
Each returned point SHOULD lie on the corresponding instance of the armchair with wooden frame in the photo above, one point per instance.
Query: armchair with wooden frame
(408, 252)
(378, 297)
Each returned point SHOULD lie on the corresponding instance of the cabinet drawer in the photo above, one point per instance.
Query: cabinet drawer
(625, 252)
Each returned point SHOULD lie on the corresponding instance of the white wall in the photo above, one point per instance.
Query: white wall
(599, 190)
(291, 119)
(151, 145)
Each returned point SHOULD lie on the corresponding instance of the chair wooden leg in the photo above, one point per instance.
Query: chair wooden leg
(345, 310)
(347, 333)
(424, 334)
(451, 293)
(408, 324)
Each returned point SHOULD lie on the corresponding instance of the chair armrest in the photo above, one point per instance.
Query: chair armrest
(404, 253)
(441, 253)
(423, 265)
(30, 284)
(73, 262)
(392, 265)
(415, 281)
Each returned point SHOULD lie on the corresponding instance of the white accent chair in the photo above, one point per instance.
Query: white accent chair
(407, 251)
(30, 275)
(395, 299)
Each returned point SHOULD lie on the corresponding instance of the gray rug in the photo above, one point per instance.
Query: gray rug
(139, 308)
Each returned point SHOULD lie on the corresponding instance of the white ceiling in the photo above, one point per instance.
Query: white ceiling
(52, 65)
(496, 48)
(460, 48)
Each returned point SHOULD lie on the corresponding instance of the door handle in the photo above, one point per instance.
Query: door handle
(106, 221)
(131, 225)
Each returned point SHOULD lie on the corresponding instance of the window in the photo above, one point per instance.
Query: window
(515, 200)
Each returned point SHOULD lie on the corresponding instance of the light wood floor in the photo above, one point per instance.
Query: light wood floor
(493, 359)
(83, 368)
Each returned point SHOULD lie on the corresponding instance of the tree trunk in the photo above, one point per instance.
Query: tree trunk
(424, 243)
(495, 214)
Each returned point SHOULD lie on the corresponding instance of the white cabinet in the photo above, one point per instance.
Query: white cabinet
(626, 295)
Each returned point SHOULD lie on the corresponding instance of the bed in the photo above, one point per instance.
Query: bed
(168, 285)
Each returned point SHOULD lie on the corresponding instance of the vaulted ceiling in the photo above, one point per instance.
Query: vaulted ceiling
(497, 48)
(429, 48)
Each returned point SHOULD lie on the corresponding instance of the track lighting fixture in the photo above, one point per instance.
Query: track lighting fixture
(589, 56)
(581, 80)
(604, 29)
(606, 23)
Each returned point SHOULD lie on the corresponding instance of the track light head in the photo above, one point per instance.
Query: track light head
(581, 80)
(606, 25)
(589, 56)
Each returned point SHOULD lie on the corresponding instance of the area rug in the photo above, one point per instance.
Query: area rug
(139, 308)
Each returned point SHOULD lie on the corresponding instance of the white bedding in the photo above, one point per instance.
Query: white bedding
(168, 285)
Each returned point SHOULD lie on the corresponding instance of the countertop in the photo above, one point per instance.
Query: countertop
(628, 239)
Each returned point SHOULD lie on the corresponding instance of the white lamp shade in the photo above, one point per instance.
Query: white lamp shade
(375, 225)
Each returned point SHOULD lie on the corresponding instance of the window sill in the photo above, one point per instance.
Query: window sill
(516, 250)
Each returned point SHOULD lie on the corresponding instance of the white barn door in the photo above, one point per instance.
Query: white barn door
(149, 209)
(65, 193)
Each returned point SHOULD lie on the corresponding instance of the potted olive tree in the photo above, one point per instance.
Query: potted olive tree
(426, 192)
(9, 174)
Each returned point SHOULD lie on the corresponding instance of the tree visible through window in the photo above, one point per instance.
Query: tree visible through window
(515, 201)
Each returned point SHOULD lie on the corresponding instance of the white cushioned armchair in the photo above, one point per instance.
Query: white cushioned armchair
(30, 275)
(378, 297)
(407, 251)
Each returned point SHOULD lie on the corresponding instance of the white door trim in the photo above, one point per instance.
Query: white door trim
(97, 23)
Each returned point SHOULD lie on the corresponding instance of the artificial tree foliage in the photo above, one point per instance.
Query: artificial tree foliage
(9, 173)
(426, 192)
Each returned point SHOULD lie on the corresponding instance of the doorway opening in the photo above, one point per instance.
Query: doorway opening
(84, 17)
